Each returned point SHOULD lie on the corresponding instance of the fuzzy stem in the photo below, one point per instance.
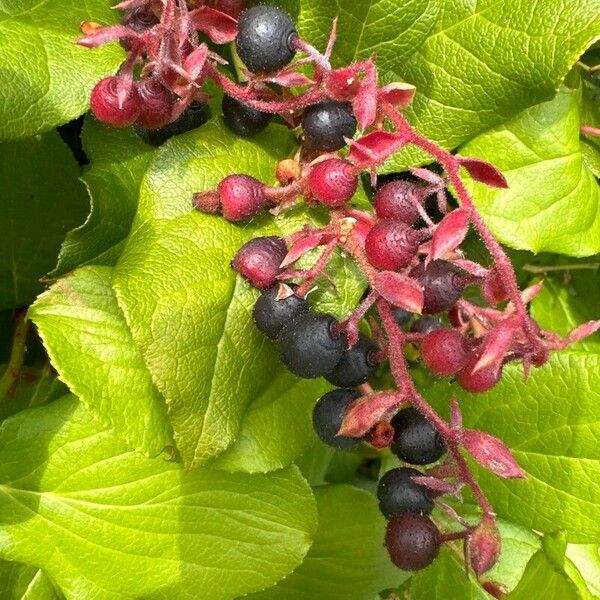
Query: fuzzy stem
(13, 369)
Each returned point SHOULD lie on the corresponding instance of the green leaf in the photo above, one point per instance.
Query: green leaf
(119, 160)
(564, 304)
(586, 559)
(106, 523)
(187, 311)
(551, 422)
(90, 346)
(45, 78)
(40, 200)
(553, 200)
(475, 64)
(347, 559)
(25, 582)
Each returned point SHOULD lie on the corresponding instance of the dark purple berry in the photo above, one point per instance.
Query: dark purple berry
(311, 345)
(445, 351)
(242, 119)
(398, 493)
(110, 107)
(416, 441)
(391, 245)
(356, 364)
(327, 123)
(333, 181)
(442, 283)
(413, 541)
(265, 39)
(258, 260)
(398, 200)
(426, 324)
(241, 197)
(328, 415)
(272, 311)
(139, 19)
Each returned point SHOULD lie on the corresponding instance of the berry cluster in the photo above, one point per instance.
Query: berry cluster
(408, 248)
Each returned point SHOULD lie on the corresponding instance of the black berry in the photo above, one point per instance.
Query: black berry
(327, 123)
(426, 324)
(258, 260)
(265, 39)
(402, 316)
(356, 364)
(311, 346)
(270, 314)
(413, 541)
(242, 119)
(416, 441)
(398, 494)
(442, 285)
(328, 415)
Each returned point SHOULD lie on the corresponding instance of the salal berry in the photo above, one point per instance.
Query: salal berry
(311, 345)
(274, 309)
(402, 316)
(242, 119)
(426, 324)
(445, 351)
(356, 365)
(442, 283)
(328, 415)
(265, 39)
(258, 260)
(109, 108)
(398, 200)
(326, 124)
(391, 245)
(140, 19)
(156, 102)
(333, 181)
(416, 441)
(241, 197)
(412, 541)
(398, 493)
(480, 381)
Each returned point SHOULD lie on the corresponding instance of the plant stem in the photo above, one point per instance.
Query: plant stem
(13, 369)
(540, 269)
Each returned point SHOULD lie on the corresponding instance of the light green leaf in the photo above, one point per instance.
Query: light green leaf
(567, 300)
(586, 559)
(551, 422)
(553, 202)
(475, 64)
(347, 559)
(25, 582)
(90, 346)
(119, 160)
(106, 523)
(45, 78)
(40, 200)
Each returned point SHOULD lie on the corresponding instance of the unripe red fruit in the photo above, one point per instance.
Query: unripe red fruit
(156, 104)
(333, 181)
(258, 260)
(413, 541)
(241, 197)
(442, 283)
(104, 103)
(397, 200)
(445, 351)
(391, 245)
(481, 381)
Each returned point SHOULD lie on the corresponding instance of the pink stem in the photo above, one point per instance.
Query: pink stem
(589, 130)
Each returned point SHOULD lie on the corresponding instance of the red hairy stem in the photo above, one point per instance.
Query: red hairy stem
(317, 269)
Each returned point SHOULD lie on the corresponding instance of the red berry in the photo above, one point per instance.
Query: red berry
(481, 381)
(241, 197)
(398, 200)
(156, 104)
(445, 351)
(391, 245)
(333, 181)
(114, 108)
(412, 540)
(258, 260)
(442, 285)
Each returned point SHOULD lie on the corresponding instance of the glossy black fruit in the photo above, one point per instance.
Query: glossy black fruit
(398, 494)
(402, 316)
(426, 325)
(413, 541)
(327, 123)
(271, 315)
(416, 441)
(242, 119)
(265, 37)
(328, 415)
(310, 346)
(356, 364)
